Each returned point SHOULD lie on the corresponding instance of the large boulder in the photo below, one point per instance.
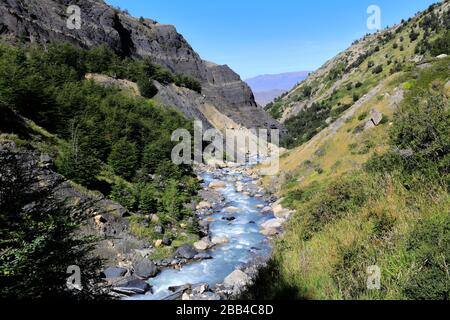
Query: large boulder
(273, 223)
(236, 278)
(217, 184)
(272, 227)
(204, 205)
(203, 244)
(132, 286)
(219, 240)
(144, 268)
(186, 251)
(114, 272)
(376, 116)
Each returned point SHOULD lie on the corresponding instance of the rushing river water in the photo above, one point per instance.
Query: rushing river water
(245, 241)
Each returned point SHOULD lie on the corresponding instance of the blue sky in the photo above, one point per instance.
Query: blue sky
(270, 36)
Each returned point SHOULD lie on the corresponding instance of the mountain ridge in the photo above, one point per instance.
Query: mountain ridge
(268, 87)
(45, 21)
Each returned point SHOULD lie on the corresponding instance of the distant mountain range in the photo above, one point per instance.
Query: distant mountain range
(270, 86)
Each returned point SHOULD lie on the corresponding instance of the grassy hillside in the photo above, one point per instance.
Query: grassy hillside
(367, 194)
(342, 81)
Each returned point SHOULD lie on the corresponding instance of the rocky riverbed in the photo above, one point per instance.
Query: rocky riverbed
(237, 220)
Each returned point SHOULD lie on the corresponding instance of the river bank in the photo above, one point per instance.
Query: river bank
(237, 219)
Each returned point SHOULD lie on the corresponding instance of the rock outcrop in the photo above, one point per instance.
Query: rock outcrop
(44, 21)
(106, 219)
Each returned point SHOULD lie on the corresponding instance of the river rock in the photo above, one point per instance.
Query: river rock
(217, 184)
(99, 220)
(236, 278)
(203, 244)
(154, 218)
(270, 232)
(158, 243)
(202, 256)
(280, 212)
(199, 288)
(273, 223)
(185, 296)
(144, 268)
(204, 205)
(186, 251)
(144, 253)
(166, 241)
(183, 288)
(219, 240)
(132, 286)
(114, 272)
(266, 209)
(159, 229)
(232, 209)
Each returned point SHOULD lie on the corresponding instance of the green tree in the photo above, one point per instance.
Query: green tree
(148, 200)
(123, 158)
(38, 241)
(125, 194)
(172, 201)
(77, 162)
(147, 88)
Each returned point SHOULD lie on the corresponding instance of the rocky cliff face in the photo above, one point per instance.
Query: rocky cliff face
(44, 21)
(106, 219)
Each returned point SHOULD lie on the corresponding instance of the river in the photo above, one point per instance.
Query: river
(245, 244)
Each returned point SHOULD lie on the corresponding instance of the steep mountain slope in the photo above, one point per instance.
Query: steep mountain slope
(342, 81)
(43, 21)
(270, 86)
(370, 185)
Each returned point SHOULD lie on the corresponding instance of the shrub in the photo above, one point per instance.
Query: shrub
(123, 158)
(148, 200)
(125, 195)
(430, 242)
(413, 35)
(363, 116)
(378, 69)
(423, 126)
(147, 88)
(441, 45)
(339, 198)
